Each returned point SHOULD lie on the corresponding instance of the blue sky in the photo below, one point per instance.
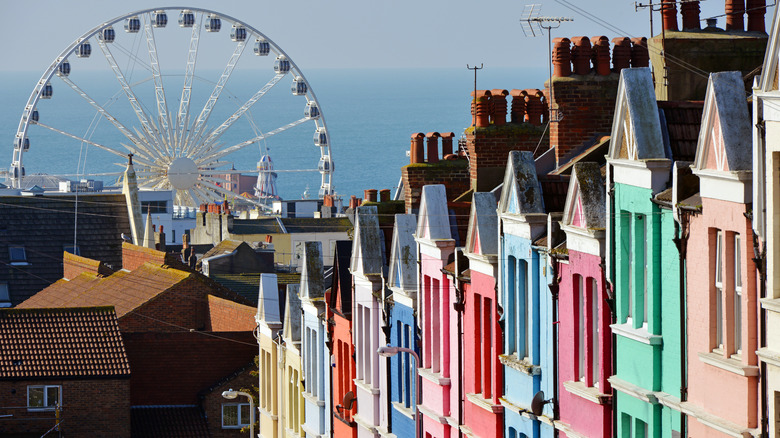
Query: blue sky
(345, 33)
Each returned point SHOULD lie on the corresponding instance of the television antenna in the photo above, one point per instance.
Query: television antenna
(532, 24)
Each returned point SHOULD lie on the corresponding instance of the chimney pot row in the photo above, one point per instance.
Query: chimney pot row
(593, 54)
(418, 153)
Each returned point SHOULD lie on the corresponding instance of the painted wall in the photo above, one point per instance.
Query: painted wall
(316, 389)
(269, 385)
(343, 372)
(592, 415)
(735, 397)
(403, 386)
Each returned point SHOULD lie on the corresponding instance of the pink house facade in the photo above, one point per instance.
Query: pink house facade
(436, 246)
(721, 298)
(585, 344)
(482, 344)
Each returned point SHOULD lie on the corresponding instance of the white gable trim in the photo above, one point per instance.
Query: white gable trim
(726, 186)
(647, 174)
(487, 265)
(585, 241)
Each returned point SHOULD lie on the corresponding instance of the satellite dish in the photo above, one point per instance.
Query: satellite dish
(537, 403)
(349, 400)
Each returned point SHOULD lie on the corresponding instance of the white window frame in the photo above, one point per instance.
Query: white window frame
(719, 291)
(46, 389)
(737, 295)
(240, 407)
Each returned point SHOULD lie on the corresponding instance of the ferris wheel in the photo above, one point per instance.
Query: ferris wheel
(189, 140)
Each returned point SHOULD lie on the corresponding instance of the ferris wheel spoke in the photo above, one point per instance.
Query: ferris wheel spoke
(203, 117)
(186, 92)
(120, 76)
(206, 194)
(90, 142)
(207, 182)
(126, 132)
(215, 134)
(229, 150)
(159, 90)
(151, 181)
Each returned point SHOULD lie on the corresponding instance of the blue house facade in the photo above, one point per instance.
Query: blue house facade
(402, 289)
(524, 295)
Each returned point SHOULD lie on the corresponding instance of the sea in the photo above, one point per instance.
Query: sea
(370, 115)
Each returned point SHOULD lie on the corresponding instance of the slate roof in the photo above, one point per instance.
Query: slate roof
(124, 290)
(256, 226)
(247, 285)
(342, 281)
(168, 422)
(224, 247)
(61, 344)
(43, 225)
(554, 190)
(681, 122)
(317, 225)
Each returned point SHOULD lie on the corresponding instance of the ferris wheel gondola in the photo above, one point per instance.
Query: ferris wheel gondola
(175, 147)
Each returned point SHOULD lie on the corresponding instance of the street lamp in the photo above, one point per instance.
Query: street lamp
(390, 351)
(231, 395)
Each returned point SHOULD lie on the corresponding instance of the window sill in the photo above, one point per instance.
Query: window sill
(311, 398)
(405, 411)
(478, 400)
(235, 427)
(51, 409)
(19, 264)
(522, 365)
(366, 387)
(590, 393)
(268, 414)
(434, 377)
(637, 334)
(729, 364)
(772, 304)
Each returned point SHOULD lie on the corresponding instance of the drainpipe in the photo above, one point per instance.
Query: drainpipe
(386, 305)
(680, 240)
(554, 288)
(611, 289)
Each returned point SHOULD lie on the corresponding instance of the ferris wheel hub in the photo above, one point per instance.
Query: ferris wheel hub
(183, 173)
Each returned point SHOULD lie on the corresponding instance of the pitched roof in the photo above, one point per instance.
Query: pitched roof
(554, 189)
(228, 316)
(269, 301)
(168, 422)
(312, 273)
(247, 285)
(636, 128)
(61, 343)
(680, 123)
(102, 218)
(433, 221)
(341, 290)
(403, 256)
(224, 247)
(316, 225)
(256, 226)
(367, 253)
(292, 314)
(521, 192)
(585, 200)
(725, 142)
(124, 290)
(482, 235)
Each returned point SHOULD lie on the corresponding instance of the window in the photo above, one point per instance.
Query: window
(594, 331)
(427, 357)
(737, 295)
(154, 206)
(5, 297)
(410, 362)
(719, 290)
(579, 290)
(17, 254)
(524, 335)
(487, 353)
(642, 247)
(478, 344)
(509, 314)
(43, 397)
(235, 415)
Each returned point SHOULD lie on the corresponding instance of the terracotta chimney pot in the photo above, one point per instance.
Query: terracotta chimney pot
(370, 195)
(669, 14)
(581, 54)
(756, 11)
(690, 15)
(561, 57)
(446, 143)
(498, 106)
(482, 104)
(384, 195)
(518, 106)
(417, 154)
(640, 57)
(432, 146)
(601, 55)
(621, 53)
(735, 14)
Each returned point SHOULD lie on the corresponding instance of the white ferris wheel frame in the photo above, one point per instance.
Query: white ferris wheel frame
(154, 141)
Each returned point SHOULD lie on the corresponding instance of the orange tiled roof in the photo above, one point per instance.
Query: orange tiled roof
(61, 343)
(124, 290)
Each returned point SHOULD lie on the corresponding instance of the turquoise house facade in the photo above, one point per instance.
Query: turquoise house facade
(644, 267)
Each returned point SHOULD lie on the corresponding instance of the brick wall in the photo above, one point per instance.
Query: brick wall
(454, 174)
(134, 256)
(90, 408)
(489, 147)
(213, 400)
(587, 103)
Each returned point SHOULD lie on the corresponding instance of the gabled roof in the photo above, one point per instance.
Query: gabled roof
(367, 254)
(636, 129)
(482, 237)
(434, 220)
(268, 302)
(312, 274)
(769, 75)
(585, 201)
(403, 253)
(725, 141)
(224, 247)
(61, 344)
(168, 421)
(521, 192)
(680, 125)
(292, 314)
(341, 290)
(124, 290)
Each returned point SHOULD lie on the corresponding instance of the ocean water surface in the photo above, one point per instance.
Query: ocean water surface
(370, 115)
